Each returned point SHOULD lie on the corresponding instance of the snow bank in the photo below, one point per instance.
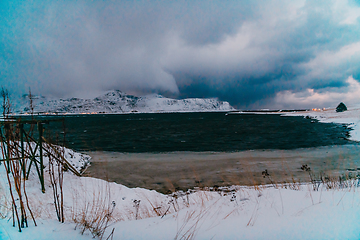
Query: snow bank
(244, 213)
(78, 160)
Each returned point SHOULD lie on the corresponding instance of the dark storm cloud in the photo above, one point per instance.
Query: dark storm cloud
(275, 59)
(245, 52)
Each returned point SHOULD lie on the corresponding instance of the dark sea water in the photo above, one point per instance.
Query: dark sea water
(197, 132)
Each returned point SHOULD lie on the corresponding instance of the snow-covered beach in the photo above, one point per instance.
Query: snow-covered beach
(276, 211)
(248, 213)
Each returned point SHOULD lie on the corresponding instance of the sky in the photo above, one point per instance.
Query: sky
(253, 54)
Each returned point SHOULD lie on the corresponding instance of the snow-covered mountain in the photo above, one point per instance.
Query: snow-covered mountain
(119, 102)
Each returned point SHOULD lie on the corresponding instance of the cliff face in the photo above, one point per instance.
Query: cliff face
(119, 102)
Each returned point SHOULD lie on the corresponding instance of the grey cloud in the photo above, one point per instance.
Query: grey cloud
(86, 46)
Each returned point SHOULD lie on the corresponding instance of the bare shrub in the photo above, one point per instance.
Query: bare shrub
(56, 172)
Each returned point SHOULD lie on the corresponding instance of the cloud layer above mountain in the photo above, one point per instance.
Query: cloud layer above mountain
(253, 54)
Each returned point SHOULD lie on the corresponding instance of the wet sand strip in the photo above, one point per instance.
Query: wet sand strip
(183, 170)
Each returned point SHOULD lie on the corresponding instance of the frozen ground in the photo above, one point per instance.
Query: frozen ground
(291, 211)
(294, 212)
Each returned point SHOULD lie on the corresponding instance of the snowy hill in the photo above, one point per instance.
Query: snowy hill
(119, 102)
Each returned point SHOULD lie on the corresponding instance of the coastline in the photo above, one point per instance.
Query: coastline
(182, 170)
(165, 172)
(351, 117)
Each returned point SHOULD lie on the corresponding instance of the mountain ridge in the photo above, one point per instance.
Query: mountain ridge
(118, 102)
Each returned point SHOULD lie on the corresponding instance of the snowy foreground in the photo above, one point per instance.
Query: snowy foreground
(290, 211)
(266, 212)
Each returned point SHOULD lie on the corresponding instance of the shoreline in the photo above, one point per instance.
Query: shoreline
(329, 115)
(165, 172)
(277, 111)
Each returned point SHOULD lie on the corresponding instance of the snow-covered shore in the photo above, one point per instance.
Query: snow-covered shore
(284, 211)
(265, 212)
(350, 117)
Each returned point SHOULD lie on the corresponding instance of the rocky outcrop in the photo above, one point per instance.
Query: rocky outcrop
(341, 107)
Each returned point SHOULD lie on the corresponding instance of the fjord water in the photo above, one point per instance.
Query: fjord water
(198, 132)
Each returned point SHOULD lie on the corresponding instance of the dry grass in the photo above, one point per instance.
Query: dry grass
(192, 222)
(94, 211)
